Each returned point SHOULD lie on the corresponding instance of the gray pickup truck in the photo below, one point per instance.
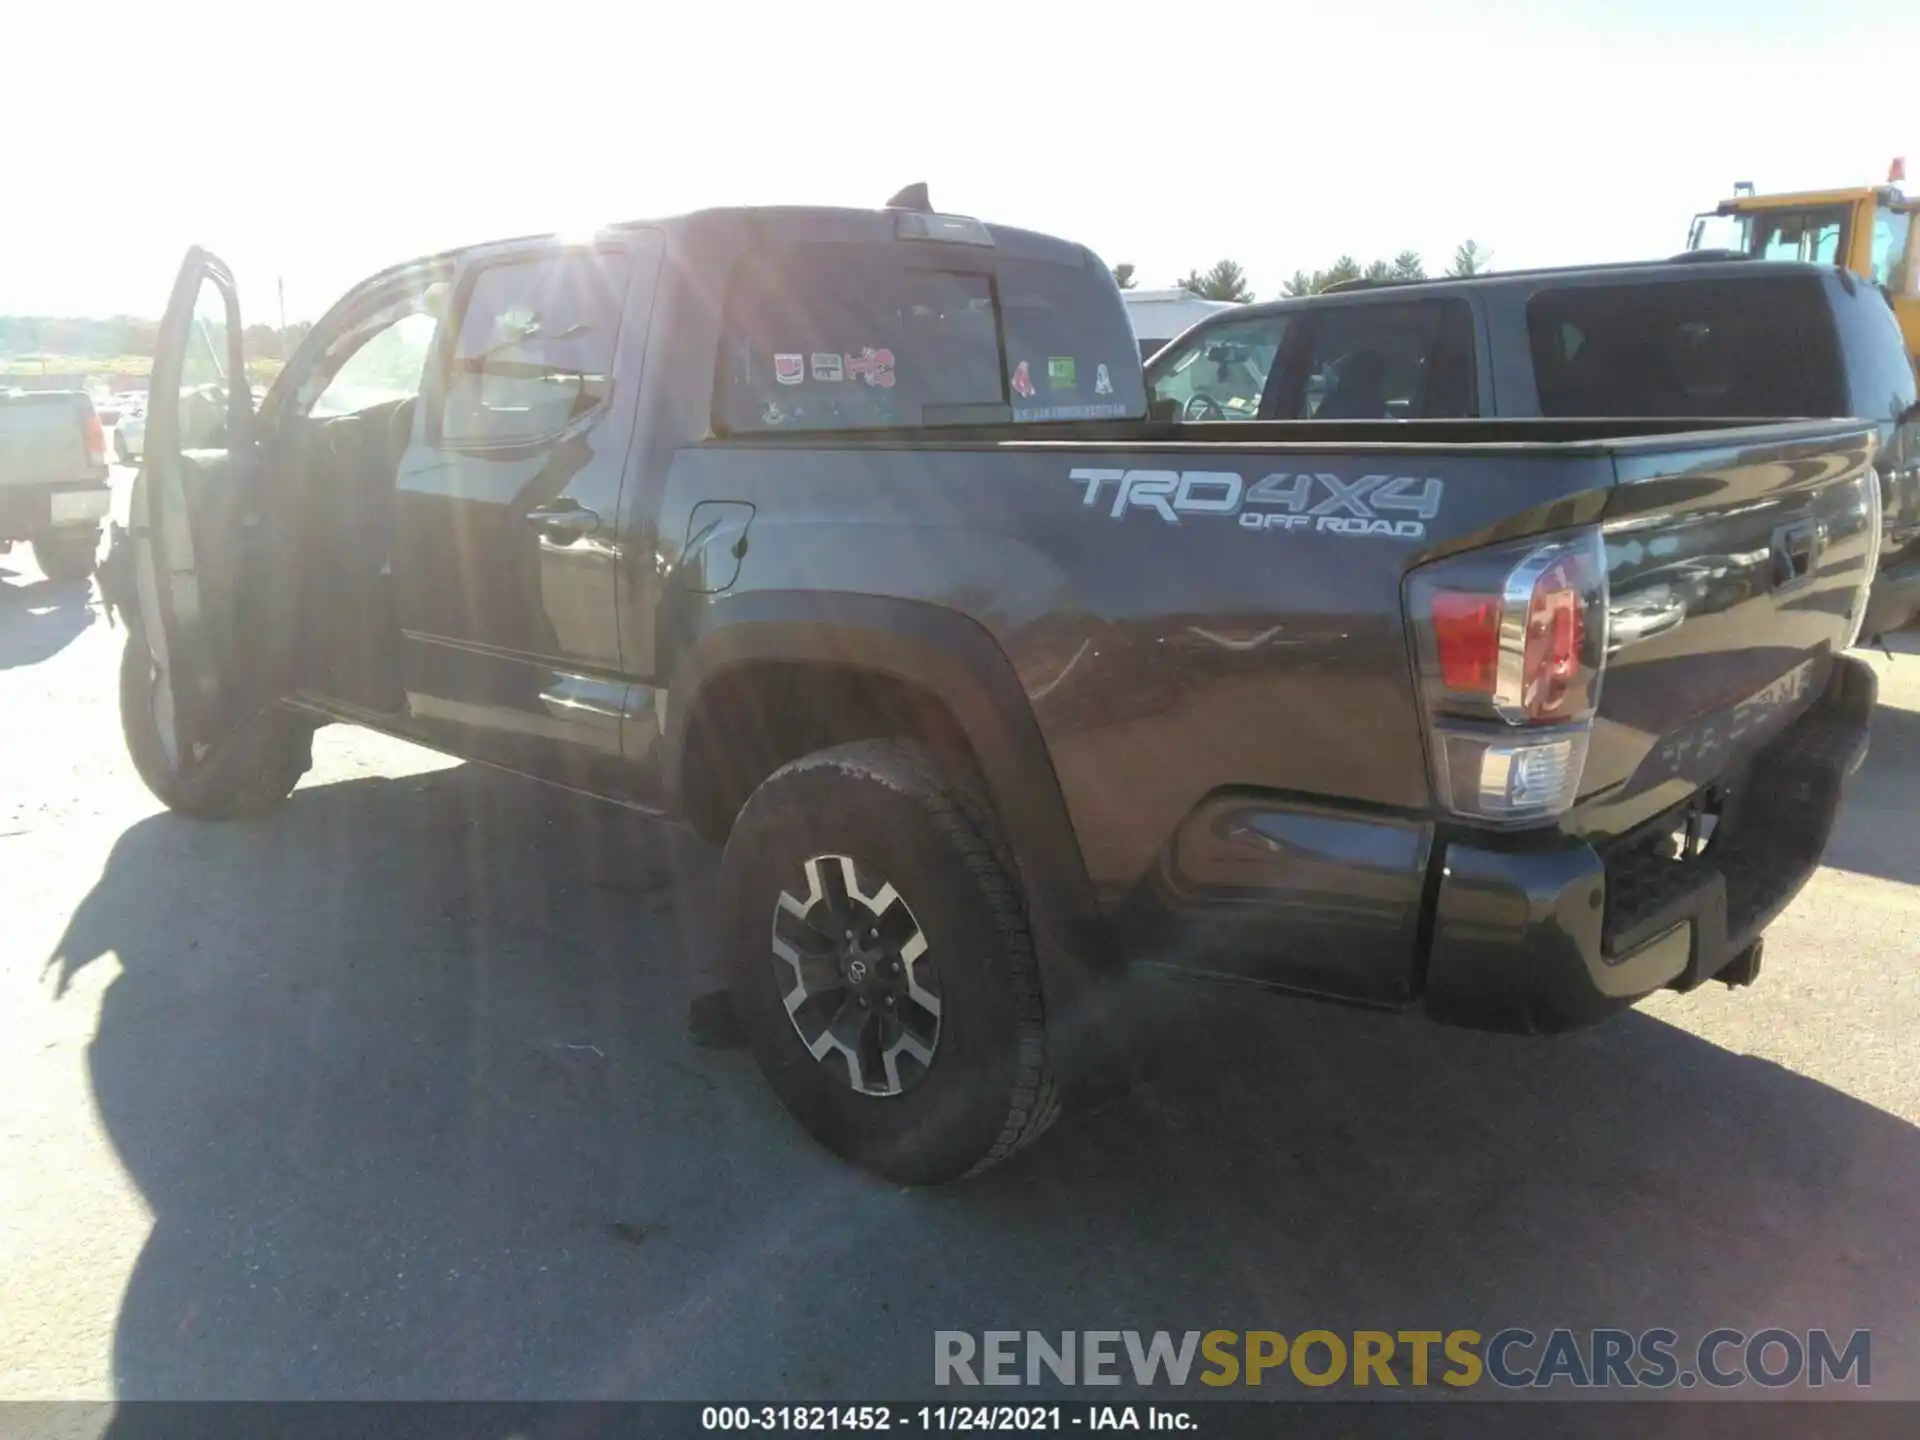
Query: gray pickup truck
(843, 538)
(53, 479)
(1704, 335)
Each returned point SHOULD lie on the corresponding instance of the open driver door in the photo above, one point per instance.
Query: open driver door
(189, 515)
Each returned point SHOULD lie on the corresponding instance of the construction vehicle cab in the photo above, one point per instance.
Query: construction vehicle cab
(1870, 231)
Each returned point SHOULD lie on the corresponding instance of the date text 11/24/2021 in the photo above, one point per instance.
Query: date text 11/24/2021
(956, 1419)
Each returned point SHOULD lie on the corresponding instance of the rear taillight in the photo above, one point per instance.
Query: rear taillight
(96, 438)
(1511, 644)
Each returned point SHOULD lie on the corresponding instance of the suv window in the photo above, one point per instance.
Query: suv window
(535, 346)
(1757, 347)
(1221, 373)
(1388, 362)
(843, 336)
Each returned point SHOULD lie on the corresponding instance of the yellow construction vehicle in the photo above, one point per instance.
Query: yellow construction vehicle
(1871, 231)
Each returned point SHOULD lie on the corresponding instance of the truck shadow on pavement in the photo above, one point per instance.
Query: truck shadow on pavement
(38, 618)
(399, 1071)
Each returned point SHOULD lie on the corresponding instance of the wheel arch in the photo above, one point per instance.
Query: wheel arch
(963, 691)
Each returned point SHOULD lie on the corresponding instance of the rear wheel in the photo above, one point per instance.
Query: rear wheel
(66, 555)
(882, 966)
(251, 769)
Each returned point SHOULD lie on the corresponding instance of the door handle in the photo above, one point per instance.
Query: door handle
(566, 518)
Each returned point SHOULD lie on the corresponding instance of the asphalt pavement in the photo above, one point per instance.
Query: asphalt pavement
(386, 1095)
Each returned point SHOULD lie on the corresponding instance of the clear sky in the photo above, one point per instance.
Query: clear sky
(320, 142)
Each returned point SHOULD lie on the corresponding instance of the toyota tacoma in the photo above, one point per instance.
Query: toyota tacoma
(844, 538)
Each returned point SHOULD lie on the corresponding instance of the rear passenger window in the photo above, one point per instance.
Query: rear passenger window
(1758, 347)
(844, 337)
(1389, 362)
(535, 347)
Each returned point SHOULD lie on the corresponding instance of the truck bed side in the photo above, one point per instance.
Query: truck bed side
(1194, 621)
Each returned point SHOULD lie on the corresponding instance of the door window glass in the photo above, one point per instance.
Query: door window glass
(535, 347)
(203, 371)
(386, 366)
(1221, 374)
(1389, 362)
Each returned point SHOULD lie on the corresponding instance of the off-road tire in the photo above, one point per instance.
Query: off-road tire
(248, 772)
(67, 556)
(927, 832)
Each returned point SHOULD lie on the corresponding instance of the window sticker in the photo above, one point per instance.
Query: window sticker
(789, 369)
(1060, 372)
(1102, 382)
(1022, 385)
(873, 366)
(827, 367)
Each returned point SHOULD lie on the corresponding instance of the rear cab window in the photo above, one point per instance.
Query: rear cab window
(832, 335)
(1757, 347)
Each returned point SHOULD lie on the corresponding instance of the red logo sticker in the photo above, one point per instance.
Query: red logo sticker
(873, 366)
(789, 369)
(1021, 384)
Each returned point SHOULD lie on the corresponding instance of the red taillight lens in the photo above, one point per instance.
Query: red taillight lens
(96, 439)
(1511, 642)
(1466, 639)
(1550, 675)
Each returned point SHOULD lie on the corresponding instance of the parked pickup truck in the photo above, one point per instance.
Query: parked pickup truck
(1699, 336)
(53, 479)
(842, 537)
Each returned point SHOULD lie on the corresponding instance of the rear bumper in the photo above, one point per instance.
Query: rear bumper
(1555, 938)
(30, 510)
(1530, 932)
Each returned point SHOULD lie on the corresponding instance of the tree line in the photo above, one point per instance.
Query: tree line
(91, 339)
(1227, 279)
(86, 338)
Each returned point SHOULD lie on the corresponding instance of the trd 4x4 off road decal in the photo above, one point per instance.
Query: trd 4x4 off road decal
(1329, 504)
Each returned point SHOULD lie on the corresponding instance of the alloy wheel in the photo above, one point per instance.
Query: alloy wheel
(853, 969)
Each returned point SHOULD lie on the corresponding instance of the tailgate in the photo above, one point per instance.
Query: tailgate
(1737, 569)
(43, 440)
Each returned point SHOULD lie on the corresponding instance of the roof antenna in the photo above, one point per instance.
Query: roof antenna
(913, 197)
